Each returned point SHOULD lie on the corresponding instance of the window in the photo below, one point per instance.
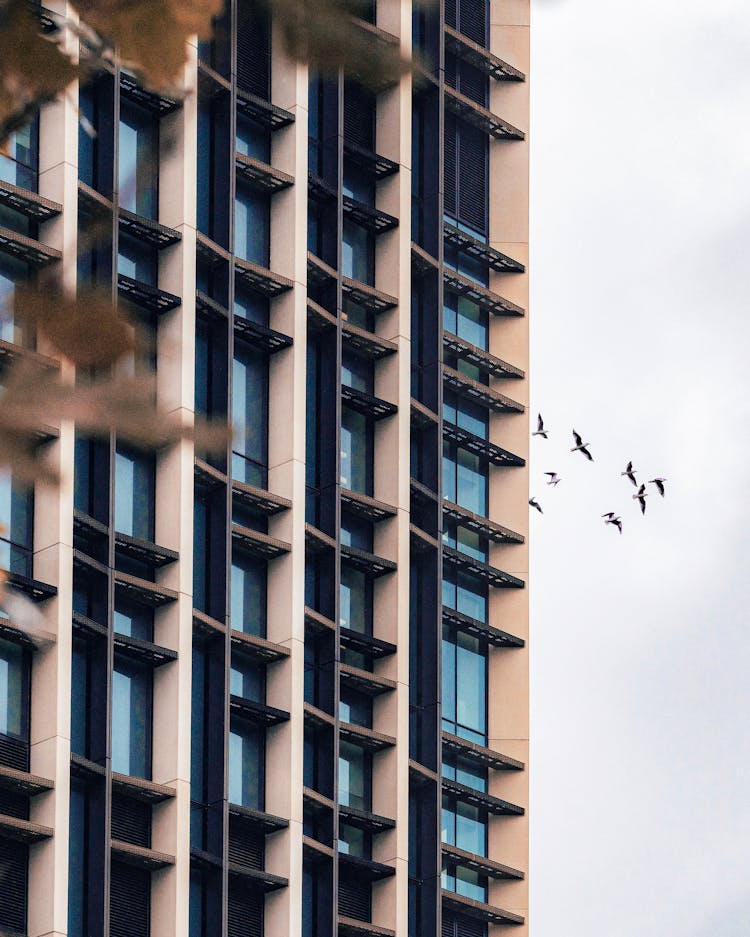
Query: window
(253, 139)
(464, 479)
(357, 372)
(468, 17)
(252, 225)
(19, 159)
(132, 691)
(80, 698)
(11, 272)
(253, 49)
(78, 861)
(17, 517)
(355, 603)
(198, 704)
(138, 160)
(466, 176)
(466, 541)
(466, 320)
(135, 482)
(247, 679)
(248, 610)
(137, 260)
(467, 415)
(355, 708)
(354, 841)
(246, 765)
(464, 696)
(355, 776)
(91, 478)
(135, 621)
(465, 594)
(464, 882)
(464, 826)
(356, 451)
(15, 674)
(358, 253)
(250, 416)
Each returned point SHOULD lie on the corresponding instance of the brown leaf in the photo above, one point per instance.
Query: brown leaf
(86, 328)
(327, 35)
(33, 69)
(150, 35)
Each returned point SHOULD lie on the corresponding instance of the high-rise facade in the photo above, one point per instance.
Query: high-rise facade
(285, 689)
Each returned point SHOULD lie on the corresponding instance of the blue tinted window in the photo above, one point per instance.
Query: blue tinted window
(355, 600)
(358, 253)
(465, 479)
(17, 517)
(12, 271)
(464, 826)
(14, 682)
(131, 719)
(248, 612)
(138, 166)
(134, 493)
(354, 776)
(356, 451)
(464, 686)
(246, 765)
(77, 861)
(247, 679)
(250, 416)
(135, 621)
(136, 260)
(252, 226)
(253, 140)
(19, 159)
(79, 698)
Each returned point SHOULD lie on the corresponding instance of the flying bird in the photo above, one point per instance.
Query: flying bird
(535, 504)
(580, 446)
(554, 478)
(630, 473)
(659, 482)
(611, 518)
(640, 497)
(540, 430)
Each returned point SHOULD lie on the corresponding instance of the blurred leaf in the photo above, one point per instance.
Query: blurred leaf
(32, 69)
(327, 35)
(87, 328)
(33, 396)
(150, 35)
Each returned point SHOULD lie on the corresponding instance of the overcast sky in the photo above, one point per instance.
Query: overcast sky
(640, 340)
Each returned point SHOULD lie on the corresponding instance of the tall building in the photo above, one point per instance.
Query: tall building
(285, 690)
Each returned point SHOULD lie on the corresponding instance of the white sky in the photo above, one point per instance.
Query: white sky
(640, 647)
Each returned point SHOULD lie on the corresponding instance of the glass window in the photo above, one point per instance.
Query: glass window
(472, 417)
(135, 621)
(356, 532)
(247, 679)
(464, 690)
(252, 226)
(79, 697)
(250, 416)
(253, 140)
(15, 668)
(17, 517)
(355, 770)
(358, 253)
(248, 609)
(356, 451)
(355, 707)
(12, 271)
(137, 260)
(138, 160)
(464, 882)
(357, 372)
(466, 320)
(354, 842)
(131, 718)
(246, 765)
(19, 159)
(78, 861)
(464, 826)
(355, 604)
(465, 479)
(135, 481)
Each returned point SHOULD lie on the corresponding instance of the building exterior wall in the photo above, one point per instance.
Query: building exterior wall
(320, 637)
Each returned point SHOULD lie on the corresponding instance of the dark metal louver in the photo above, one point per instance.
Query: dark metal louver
(472, 19)
(13, 804)
(450, 152)
(129, 901)
(14, 753)
(253, 49)
(355, 898)
(359, 116)
(14, 861)
(472, 178)
(457, 926)
(246, 845)
(131, 821)
(245, 913)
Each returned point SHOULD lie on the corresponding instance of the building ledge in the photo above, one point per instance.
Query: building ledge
(372, 219)
(258, 544)
(266, 822)
(23, 831)
(32, 588)
(144, 551)
(140, 789)
(206, 625)
(265, 881)
(480, 864)
(481, 118)
(365, 819)
(27, 249)
(22, 782)
(28, 203)
(364, 681)
(477, 909)
(366, 343)
(140, 856)
(317, 622)
(483, 360)
(469, 795)
(259, 714)
(145, 652)
(480, 629)
(365, 506)
(209, 308)
(368, 161)
(148, 297)
(367, 296)
(368, 739)
(260, 337)
(258, 499)
(368, 563)
(260, 278)
(366, 643)
(478, 393)
(260, 176)
(496, 578)
(157, 103)
(421, 415)
(482, 59)
(367, 869)
(263, 112)
(147, 231)
(487, 301)
(261, 649)
(317, 718)
(479, 524)
(481, 447)
(420, 541)
(367, 404)
(143, 591)
(478, 250)
(349, 927)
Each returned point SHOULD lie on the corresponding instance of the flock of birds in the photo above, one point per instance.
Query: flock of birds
(630, 473)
